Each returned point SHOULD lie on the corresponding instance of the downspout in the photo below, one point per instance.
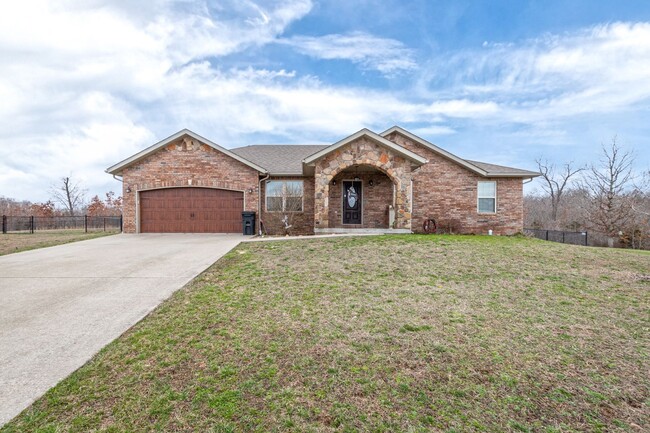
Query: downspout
(411, 210)
(122, 212)
(529, 180)
(413, 204)
(259, 203)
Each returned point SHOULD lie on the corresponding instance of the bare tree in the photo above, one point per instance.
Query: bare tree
(68, 194)
(637, 232)
(555, 182)
(609, 184)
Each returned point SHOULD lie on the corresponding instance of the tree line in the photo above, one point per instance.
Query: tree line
(68, 198)
(607, 198)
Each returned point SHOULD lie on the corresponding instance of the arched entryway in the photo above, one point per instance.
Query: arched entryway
(361, 196)
(366, 155)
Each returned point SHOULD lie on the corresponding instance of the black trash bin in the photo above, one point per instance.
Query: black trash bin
(248, 223)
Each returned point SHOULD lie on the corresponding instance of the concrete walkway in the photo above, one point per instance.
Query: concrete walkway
(60, 305)
(305, 237)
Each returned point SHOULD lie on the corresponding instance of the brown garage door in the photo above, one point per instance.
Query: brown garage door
(191, 210)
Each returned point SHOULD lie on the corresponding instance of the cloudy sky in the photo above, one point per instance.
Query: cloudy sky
(85, 84)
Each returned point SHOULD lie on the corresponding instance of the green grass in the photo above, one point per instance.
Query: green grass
(379, 334)
(24, 241)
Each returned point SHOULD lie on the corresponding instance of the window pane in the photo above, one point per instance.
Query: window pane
(487, 189)
(273, 204)
(293, 204)
(273, 189)
(486, 205)
(294, 188)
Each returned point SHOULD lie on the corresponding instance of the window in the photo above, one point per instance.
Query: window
(284, 196)
(487, 197)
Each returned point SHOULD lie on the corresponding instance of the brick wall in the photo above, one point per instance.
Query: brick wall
(447, 192)
(186, 162)
(442, 189)
(302, 223)
(375, 199)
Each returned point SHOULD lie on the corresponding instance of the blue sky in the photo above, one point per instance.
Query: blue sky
(85, 84)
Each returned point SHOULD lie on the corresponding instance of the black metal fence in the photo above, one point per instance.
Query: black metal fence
(575, 238)
(14, 224)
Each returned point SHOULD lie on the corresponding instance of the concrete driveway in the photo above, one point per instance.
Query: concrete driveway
(60, 305)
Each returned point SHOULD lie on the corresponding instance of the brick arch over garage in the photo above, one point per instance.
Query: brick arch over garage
(363, 151)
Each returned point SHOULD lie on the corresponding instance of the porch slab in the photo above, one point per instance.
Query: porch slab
(324, 231)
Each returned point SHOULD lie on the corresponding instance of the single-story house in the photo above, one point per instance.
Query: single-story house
(393, 181)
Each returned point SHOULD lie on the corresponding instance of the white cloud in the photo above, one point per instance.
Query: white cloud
(597, 70)
(387, 56)
(84, 84)
(433, 130)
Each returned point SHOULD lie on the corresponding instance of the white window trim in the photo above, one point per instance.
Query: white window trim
(478, 197)
(284, 197)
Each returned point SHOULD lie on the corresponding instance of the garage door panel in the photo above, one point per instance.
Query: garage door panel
(191, 210)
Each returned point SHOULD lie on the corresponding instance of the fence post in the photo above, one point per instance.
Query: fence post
(4, 224)
(562, 237)
(121, 227)
(586, 243)
(31, 224)
(546, 234)
(86, 223)
(104, 223)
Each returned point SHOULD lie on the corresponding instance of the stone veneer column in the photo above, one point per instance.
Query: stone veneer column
(403, 204)
(321, 199)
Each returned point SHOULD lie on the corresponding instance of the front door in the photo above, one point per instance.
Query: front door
(351, 202)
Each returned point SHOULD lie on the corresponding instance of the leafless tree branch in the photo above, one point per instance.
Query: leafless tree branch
(68, 194)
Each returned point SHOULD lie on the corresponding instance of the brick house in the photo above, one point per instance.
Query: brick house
(393, 181)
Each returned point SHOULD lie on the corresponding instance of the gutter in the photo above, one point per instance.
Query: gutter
(259, 203)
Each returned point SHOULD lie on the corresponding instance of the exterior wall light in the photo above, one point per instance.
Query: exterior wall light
(371, 183)
(128, 189)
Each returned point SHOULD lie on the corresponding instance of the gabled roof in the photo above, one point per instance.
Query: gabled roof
(436, 149)
(494, 170)
(482, 168)
(117, 168)
(298, 160)
(374, 137)
(279, 159)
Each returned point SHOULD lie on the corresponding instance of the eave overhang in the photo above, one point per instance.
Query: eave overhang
(117, 168)
(413, 157)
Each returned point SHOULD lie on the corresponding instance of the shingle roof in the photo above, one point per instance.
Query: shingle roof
(501, 170)
(286, 159)
(279, 158)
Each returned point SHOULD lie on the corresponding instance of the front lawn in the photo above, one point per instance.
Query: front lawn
(379, 334)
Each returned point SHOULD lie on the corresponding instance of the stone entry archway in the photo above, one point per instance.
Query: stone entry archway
(362, 152)
(376, 195)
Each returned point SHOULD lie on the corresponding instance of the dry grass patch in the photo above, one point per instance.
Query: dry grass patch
(16, 242)
(379, 334)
